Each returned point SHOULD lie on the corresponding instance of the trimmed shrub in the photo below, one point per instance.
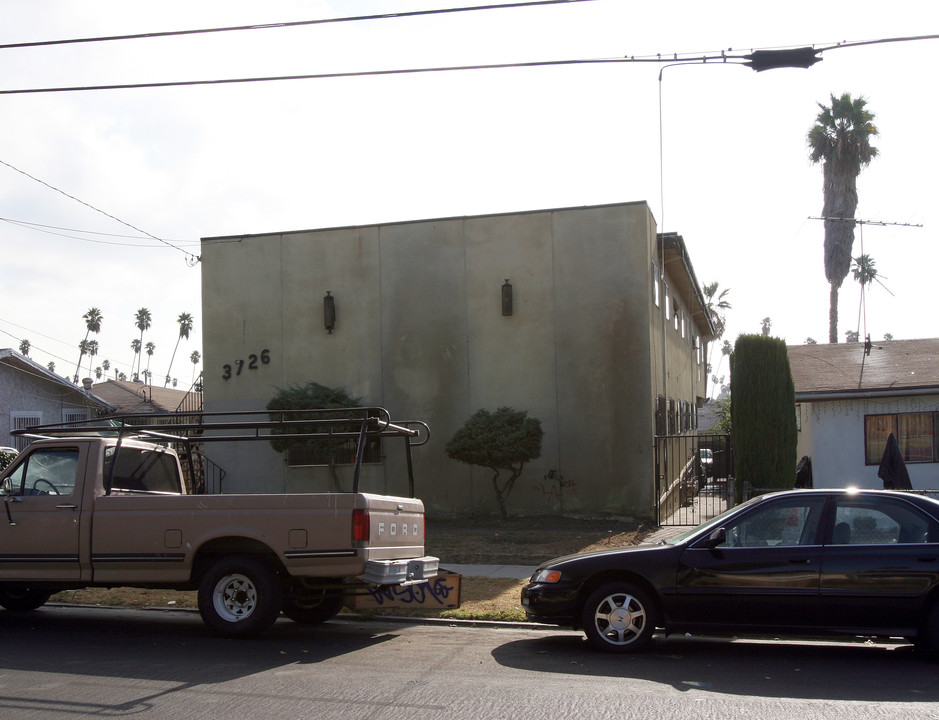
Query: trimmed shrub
(763, 408)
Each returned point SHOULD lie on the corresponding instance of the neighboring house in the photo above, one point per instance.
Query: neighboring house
(133, 397)
(32, 395)
(560, 313)
(851, 396)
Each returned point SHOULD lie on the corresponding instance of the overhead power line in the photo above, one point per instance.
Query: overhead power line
(759, 60)
(190, 258)
(298, 23)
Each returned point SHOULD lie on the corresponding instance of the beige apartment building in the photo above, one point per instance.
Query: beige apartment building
(562, 313)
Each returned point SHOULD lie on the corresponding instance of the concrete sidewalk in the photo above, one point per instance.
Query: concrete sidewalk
(523, 572)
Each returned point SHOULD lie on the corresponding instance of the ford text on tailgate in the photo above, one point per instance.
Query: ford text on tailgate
(108, 503)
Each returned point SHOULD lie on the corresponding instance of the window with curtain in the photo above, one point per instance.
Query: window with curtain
(915, 433)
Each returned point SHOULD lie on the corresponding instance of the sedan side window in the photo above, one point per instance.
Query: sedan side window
(778, 524)
(881, 521)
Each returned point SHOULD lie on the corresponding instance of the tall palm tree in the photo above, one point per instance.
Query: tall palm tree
(24, 347)
(142, 320)
(135, 346)
(82, 351)
(149, 347)
(716, 307)
(185, 326)
(194, 358)
(93, 319)
(841, 141)
(865, 272)
(91, 350)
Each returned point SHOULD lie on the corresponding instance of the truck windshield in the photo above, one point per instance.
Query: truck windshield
(141, 470)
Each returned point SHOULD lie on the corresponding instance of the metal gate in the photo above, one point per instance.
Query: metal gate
(693, 477)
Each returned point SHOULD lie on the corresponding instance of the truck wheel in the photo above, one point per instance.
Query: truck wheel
(240, 596)
(306, 610)
(17, 598)
(619, 617)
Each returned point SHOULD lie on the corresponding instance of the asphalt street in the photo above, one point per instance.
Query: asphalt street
(71, 662)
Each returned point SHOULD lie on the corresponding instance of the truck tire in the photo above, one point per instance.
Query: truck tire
(305, 610)
(17, 598)
(239, 596)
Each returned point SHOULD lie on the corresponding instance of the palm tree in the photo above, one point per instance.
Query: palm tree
(24, 347)
(194, 358)
(91, 350)
(51, 367)
(716, 307)
(150, 347)
(142, 320)
(82, 351)
(106, 365)
(865, 272)
(185, 326)
(135, 346)
(841, 141)
(93, 319)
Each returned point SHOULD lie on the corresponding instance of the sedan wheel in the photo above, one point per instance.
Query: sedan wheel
(618, 617)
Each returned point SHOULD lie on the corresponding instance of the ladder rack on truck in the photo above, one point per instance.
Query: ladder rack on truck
(361, 424)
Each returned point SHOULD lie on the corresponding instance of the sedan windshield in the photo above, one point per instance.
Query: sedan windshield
(714, 522)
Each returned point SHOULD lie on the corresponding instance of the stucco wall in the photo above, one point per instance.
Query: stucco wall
(420, 331)
(23, 390)
(836, 431)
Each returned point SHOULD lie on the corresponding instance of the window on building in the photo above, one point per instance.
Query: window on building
(20, 420)
(668, 303)
(655, 285)
(340, 452)
(74, 416)
(915, 433)
(661, 427)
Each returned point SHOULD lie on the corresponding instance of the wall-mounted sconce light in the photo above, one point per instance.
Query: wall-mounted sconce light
(329, 312)
(507, 298)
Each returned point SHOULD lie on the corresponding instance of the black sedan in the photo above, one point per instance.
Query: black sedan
(813, 562)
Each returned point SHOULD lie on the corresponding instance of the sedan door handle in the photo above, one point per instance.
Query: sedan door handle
(927, 559)
(800, 561)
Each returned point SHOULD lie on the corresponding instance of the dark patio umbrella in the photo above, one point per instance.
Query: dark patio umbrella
(892, 468)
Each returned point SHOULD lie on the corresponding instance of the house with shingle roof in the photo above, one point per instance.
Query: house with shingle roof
(851, 396)
(133, 397)
(31, 394)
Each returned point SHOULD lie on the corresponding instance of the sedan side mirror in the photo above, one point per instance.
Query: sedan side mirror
(718, 537)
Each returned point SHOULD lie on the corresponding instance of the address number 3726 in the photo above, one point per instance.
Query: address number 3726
(252, 363)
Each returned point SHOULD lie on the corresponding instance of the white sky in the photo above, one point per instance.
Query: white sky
(186, 163)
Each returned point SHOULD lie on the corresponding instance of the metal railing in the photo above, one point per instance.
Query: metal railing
(694, 478)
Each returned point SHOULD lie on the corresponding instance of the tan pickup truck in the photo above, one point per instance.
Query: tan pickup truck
(106, 505)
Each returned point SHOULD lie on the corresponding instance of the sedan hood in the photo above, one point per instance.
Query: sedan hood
(632, 549)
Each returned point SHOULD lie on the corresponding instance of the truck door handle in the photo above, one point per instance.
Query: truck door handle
(67, 507)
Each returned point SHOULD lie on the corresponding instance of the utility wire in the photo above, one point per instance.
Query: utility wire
(299, 23)
(190, 258)
(51, 230)
(757, 59)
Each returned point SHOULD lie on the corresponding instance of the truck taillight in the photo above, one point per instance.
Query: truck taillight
(360, 526)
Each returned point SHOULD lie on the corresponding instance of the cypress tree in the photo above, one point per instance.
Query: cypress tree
(763, 408)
